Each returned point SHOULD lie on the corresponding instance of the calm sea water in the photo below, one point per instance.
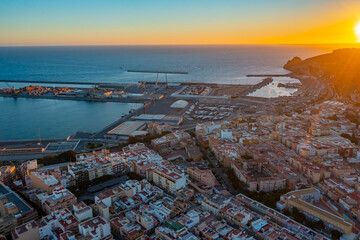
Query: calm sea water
(29, 118)
(272, 90)
(24, 118)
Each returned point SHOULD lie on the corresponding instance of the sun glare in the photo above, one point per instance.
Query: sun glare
(357, 32)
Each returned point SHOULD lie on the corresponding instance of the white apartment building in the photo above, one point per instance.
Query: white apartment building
(169, 180)
(96, 228)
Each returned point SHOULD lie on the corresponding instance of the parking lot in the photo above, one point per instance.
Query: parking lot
(62, 146)
(210, 112)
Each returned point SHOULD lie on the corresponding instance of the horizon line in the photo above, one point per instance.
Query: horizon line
(159, 45)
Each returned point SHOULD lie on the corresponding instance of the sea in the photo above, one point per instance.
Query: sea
(42, 118)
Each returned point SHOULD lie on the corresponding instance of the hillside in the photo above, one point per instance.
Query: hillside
(341, 68)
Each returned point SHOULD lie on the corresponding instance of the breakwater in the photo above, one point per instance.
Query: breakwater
(255, 87)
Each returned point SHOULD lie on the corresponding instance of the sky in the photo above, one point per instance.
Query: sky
(168, 22)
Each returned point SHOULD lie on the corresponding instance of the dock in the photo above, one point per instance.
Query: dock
(52, 82)
(268, 75)
(156, 71)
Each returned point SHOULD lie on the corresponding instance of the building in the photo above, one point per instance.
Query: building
(190, 219)
(228, 153)
(170, 140)
(161, 118)
(193, 152)
(132, 156)
(174, 231)
(269, 184)
(124, 130)
(14, 210)
(125, 197)
(7, 174)
(302, 200)
(59, 199)
(57, 221)
(89, 170)
(180, 104)
(257, 181)
(26, 231)
(124, 228)
(202, 176)
(82, 211)
(43, 181)
(96, 228)
(214, 203)
(168, 179)
(142, 167)
(26, 168)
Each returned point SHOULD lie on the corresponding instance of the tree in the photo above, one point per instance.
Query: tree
(90, 145)
(246, 157)
(333, 117)
(352, 138)
(135, 139)
(69, 156)
(134, 176)
(287, 212)
(88, 201)
(299, 111)
(335, 234)
(345, 135)
(298, 216)
(320, 224)
(192, 134)
(352, 118)
(295, 211)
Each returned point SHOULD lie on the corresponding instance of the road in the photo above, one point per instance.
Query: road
(26, 144)
(220, 173)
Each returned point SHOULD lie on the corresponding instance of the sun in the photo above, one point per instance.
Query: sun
(357, 32)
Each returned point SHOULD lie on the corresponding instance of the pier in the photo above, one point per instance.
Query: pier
(268, 75)
(156, 71)
(52, 82)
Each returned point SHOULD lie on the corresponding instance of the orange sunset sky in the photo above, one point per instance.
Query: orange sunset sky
(143, 22)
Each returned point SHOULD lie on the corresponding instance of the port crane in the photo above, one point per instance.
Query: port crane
(157, 74)
(146, 105)
(12, 88)
(142, 85)
(128, 86)
(8, 85)
(157, 78)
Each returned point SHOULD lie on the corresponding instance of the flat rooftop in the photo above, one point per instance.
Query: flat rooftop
(159, 118)
(321, 212)
(12, 197)
(151, 116)
(127, 128)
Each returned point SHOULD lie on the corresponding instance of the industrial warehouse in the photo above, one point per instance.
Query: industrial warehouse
(126, 129)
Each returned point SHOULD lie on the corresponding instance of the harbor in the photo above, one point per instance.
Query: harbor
(182, 105)
(141, 92)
